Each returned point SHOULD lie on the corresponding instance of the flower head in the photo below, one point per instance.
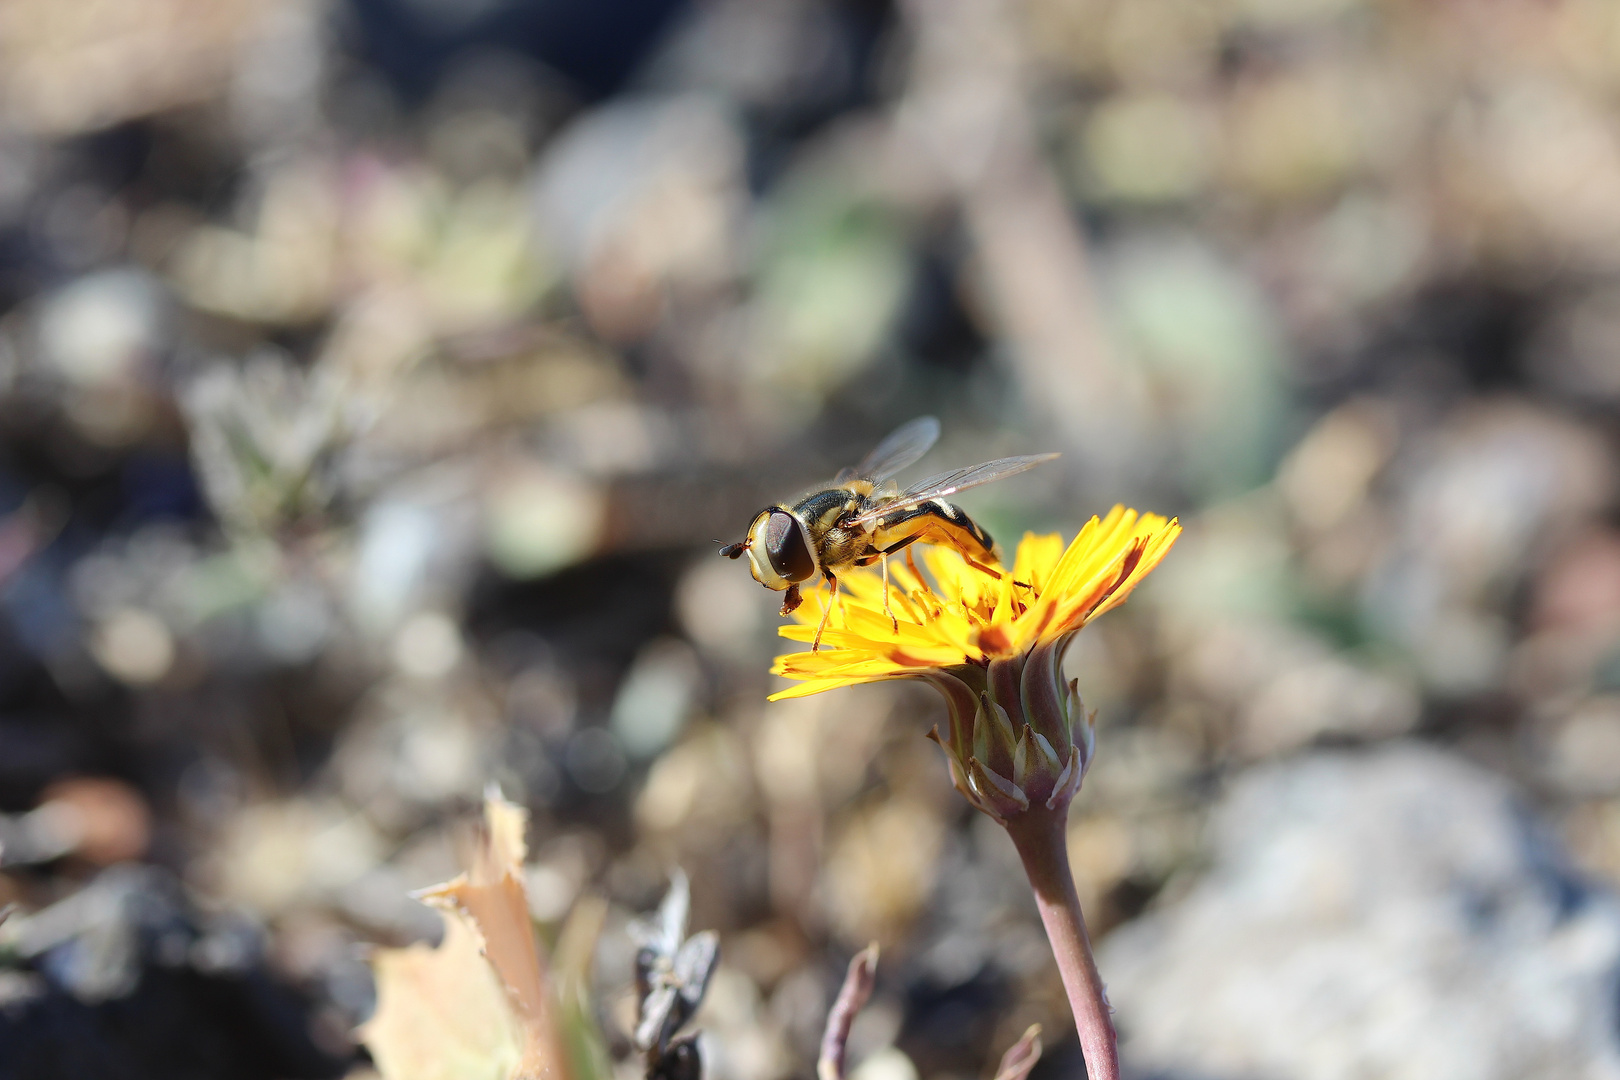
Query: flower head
(994, 646)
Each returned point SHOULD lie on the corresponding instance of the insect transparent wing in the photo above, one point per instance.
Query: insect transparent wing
(947, 484)
(904, 445)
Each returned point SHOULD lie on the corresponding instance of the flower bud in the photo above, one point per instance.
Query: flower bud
(1025, 739)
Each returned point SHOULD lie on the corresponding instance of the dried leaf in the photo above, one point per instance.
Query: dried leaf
(442, 1014)
(681, 1060)
(663, 934)
(672, 975)
(490, 909)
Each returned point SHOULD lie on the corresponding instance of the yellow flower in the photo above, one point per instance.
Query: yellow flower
(971, 617)
(994, 647)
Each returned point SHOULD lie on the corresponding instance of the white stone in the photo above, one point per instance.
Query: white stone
(1391, 914)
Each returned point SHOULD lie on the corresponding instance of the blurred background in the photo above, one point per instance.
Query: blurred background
(376, 375)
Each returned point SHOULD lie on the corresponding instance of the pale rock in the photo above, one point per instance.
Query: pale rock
(1391, 914)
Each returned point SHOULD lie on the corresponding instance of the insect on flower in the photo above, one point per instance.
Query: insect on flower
(863, 518)
(1019, 738)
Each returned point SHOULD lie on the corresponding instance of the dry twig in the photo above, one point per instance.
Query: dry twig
(857, 989)
(1021, 1056)
(1016, 1063)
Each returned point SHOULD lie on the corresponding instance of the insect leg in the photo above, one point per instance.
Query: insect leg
(815, 646)
(884, 558)
(977, 565)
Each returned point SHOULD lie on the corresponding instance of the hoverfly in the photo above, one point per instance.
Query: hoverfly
(863, 518)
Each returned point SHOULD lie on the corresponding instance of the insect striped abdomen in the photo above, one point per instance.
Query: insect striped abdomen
(934, 522)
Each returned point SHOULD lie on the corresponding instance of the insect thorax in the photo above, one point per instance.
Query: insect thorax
(821, 511)
(836, 546)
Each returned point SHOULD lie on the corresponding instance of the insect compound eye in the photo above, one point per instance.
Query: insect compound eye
(787, 548)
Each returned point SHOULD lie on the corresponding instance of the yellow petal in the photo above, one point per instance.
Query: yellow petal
(1157, 548)
(805, 689)
(1037, 557)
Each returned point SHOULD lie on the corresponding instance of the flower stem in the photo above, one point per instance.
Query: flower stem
(1039, 835)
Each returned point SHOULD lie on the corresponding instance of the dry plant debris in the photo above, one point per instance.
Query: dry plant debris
(859, 981)
(481, 1000)
(672, 975)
